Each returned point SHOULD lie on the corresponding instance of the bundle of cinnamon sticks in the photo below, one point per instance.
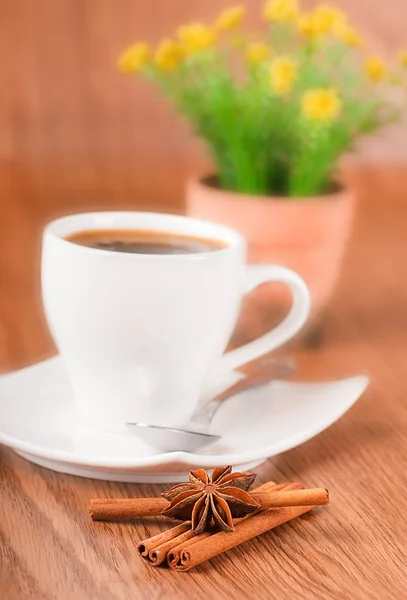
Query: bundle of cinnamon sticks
(182, 550)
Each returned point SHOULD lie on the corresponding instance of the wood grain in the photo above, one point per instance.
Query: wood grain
(356, 548)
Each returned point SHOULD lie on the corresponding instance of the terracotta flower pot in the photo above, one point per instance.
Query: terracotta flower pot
(307, 235)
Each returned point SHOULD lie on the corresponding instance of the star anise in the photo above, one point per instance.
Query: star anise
(217, 499)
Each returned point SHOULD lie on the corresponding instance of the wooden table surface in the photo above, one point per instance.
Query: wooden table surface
(356, 548)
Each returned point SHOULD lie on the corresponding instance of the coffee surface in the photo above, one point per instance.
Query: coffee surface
(138, 241)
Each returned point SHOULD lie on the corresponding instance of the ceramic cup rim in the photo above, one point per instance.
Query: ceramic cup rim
(99, 220)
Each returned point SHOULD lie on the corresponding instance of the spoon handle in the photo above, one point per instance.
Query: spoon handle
(263, 371)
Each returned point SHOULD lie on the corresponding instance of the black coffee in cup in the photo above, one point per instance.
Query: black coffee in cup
(136, 241)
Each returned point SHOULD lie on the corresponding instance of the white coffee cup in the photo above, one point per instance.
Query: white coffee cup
(140, 334)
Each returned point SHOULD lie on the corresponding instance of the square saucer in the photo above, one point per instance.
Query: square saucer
(38, 421)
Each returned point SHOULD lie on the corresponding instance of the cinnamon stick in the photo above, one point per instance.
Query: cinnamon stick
(103, 509)
(305, 497)
(156, 548)
(197, 552)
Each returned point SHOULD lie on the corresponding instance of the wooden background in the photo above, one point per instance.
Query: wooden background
(78, 132)
(76, 135)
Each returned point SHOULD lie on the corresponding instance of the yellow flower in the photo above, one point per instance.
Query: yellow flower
(230, 18)
(307, 25)
(280, 10)
(133, 58)
(323, 20)
(257, 52)
(168, 55)
(402, 56)
(282, 74)
(375, 68)
(347, 34)
(196, 37)
(327, 17)
(321, 104)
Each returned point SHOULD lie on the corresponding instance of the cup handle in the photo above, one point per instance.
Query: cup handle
(300, 309)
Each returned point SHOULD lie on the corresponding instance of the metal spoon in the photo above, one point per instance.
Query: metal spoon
(171, 439)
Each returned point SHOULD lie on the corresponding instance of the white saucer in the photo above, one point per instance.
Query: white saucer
(37, 420)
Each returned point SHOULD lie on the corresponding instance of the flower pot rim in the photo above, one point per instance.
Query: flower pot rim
(338, 195)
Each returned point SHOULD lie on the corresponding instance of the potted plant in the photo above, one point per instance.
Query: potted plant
(277, 111)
